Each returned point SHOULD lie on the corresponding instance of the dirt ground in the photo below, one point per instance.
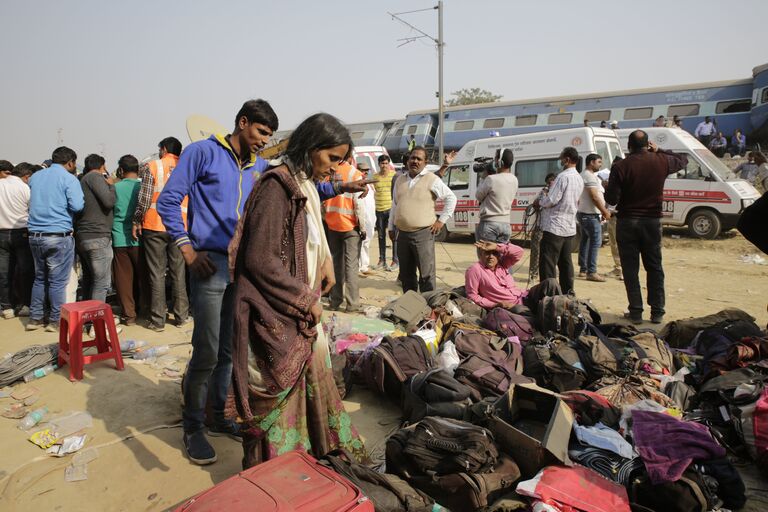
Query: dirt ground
(136, 412)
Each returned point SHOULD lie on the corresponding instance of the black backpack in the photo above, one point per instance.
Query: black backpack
(392, 362)
(434, 393)
(554, 364)
(565, 314)
(388, 493)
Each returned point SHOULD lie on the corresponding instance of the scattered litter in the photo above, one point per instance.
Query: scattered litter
(76, 473)
(85, 456)
(15, 411)
(371, 311)
(753, 259)
(23, 392)
(44, 438)
(71, 423)
(172, 374)
(68, 445)
(676, 237)
(31, 400)
(6, 392)
(33, 418)
(39, 373)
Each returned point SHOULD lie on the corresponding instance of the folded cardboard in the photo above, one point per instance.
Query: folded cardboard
(533, 425)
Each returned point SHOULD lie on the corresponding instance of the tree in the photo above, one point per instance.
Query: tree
(472, 96)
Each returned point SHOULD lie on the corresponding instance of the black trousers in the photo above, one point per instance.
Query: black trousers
(17, 268)
(555, 254)
(640, 237)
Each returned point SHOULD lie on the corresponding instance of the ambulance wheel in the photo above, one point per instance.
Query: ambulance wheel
(442, 236)
(704, 224)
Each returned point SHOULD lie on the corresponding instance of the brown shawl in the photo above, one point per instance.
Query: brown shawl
(272, 298)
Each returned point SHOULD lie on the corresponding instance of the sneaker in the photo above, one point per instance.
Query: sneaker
(24, 311)
(596, 278)
(229, 429)
(656, 318)
(52, 328)
(635, 319)
(154, 327)
(617, 273)
(582, 275)
(8, 313)
(33, 324)
(198, 449)
(381, 264)
(129, 322)
(393, 267)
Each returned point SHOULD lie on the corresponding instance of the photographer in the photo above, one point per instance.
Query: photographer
(495, 195)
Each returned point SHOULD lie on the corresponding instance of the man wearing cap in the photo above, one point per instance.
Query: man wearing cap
(345, 218)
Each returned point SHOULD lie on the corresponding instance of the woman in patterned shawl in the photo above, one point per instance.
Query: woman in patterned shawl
(284, 387)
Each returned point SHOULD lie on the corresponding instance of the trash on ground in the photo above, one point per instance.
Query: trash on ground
(67, 445)
(76, 473)
(753, 259)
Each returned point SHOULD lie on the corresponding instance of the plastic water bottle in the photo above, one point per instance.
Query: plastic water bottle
(33, 418)
(151, 352)
(131, 345)
(39, 373)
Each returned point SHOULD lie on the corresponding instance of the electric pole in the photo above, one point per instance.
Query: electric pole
(440, 42)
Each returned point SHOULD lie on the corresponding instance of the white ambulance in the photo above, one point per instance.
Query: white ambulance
(536, 155)
(705, 196)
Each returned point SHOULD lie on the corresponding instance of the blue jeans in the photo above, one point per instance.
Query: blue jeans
(488, 231)
(96, 259)
(591, 240)
(54, 256)
(210, 368)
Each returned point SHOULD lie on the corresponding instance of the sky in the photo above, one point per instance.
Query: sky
(117, 77)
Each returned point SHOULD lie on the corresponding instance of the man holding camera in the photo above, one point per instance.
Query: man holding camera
(345, 218)
(636, 186)
(558, 221)
(495, 195)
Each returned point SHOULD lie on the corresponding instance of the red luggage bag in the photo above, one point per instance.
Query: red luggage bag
(292, 482)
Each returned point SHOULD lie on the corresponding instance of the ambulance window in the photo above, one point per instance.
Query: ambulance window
(597, 116)
(463, 125)
(601, 148)
(638, 113)
(494, 123)
(412, 129)
(525, 120)
(732, 107)
(560, 118)
(531, 173)
(693, 171)
(683, 110)
(615, 151)
(368, 160)
(457, 178)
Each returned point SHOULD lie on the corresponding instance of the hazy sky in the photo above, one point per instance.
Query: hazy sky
(119, 76)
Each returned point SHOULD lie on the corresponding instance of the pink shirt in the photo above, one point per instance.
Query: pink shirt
(487, 287)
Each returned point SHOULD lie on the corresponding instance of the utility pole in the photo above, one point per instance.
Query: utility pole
(59, 136)
(440, 42)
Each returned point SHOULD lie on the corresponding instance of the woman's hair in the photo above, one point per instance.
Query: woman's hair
(319, 131)
(760, 158)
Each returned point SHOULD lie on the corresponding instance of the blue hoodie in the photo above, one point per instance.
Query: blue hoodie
(217, 186)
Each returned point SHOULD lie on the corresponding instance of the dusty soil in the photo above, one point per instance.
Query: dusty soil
(136, 412)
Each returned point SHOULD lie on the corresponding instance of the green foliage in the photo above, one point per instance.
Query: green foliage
(472, 96)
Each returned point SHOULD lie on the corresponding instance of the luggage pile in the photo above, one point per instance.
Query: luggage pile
(557, 411)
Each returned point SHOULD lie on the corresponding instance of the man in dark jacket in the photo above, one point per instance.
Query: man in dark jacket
(636, 186)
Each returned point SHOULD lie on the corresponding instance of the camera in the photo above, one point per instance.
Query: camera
(484, 164)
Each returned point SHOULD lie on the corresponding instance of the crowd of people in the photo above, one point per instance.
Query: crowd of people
(257, 245)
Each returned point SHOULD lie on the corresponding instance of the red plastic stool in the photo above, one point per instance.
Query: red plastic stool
(73, 317)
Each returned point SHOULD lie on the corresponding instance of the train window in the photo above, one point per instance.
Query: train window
(638, 113)
(683, 110)
(399, 132)
(597, 116)
(560, 118)
(732, 107)
(493, 123)
(525, 120)
(463, 125)
(356, 135)
(531, 173)
(765, 96)
(412, 129)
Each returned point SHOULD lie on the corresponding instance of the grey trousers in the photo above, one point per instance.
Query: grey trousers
(162, 253)
(416, 251)
(345, 249)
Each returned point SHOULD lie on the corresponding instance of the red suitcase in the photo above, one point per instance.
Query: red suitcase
(292, 482)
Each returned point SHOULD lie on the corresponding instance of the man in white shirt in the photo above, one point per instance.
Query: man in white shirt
(591, 206)
(558, 221)
(495, 195)
(604, 175)
(413, 214)
(705, 130)
(15, 256)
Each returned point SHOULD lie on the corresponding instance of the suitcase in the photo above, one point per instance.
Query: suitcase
(291, 482)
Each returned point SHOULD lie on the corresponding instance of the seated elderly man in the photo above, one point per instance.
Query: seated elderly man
(489, 284)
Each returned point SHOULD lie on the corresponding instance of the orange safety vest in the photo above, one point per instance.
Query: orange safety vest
(161, 170)
(340, 210)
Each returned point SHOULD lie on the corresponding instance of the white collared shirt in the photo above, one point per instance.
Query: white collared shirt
(14, 203)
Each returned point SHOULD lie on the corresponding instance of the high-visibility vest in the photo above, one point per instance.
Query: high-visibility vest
(340, 210)
(161, 170)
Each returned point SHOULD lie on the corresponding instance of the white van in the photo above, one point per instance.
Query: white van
(370, 155)
(705, 196)
(536, 155)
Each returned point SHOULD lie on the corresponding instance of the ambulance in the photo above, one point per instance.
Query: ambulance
(705, 196)
(536, 155)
